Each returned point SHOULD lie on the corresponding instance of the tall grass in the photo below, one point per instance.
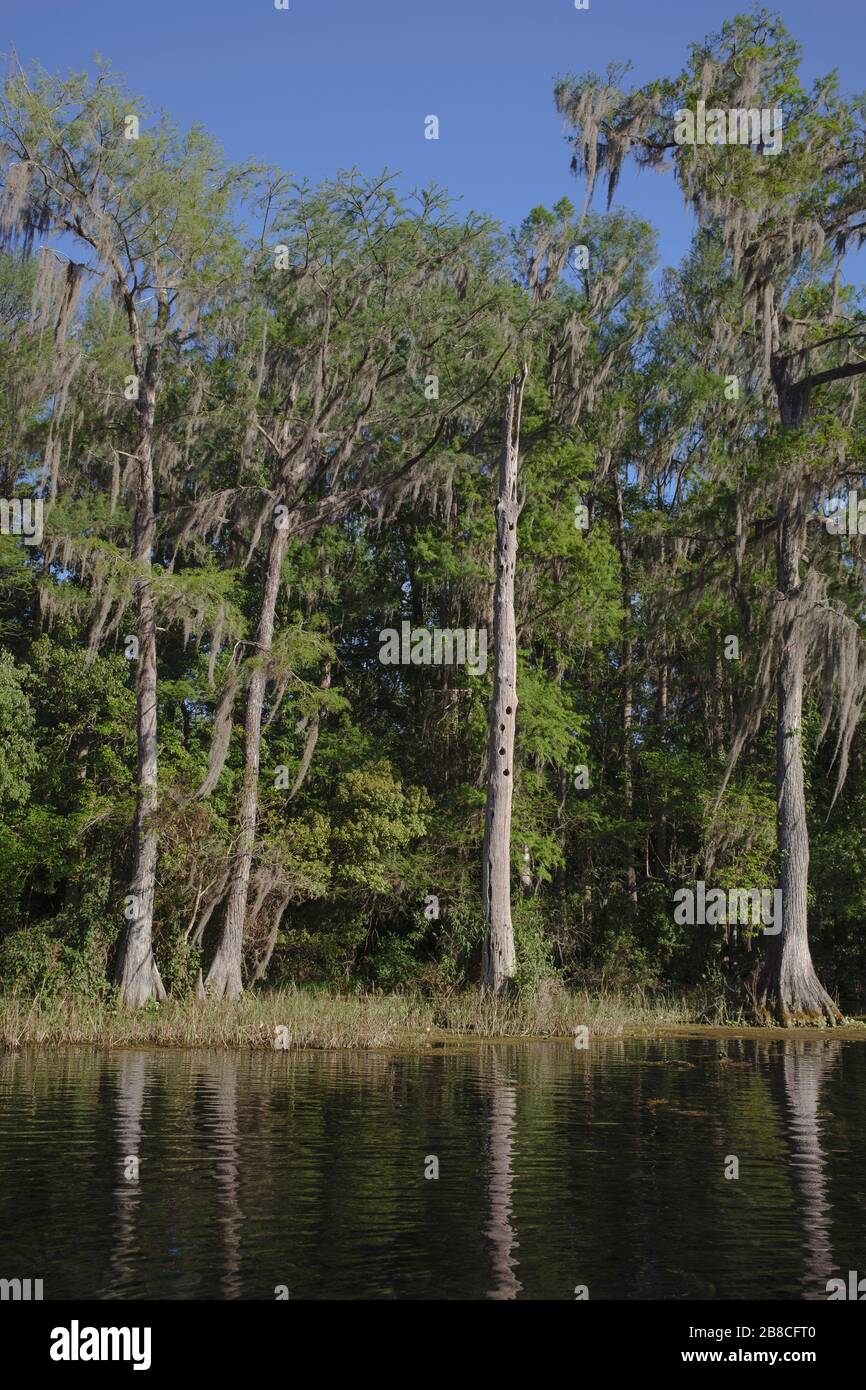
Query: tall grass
(313, 1018)
(559, 1013)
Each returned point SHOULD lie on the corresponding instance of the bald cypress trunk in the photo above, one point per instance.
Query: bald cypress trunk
(224, 976)
(787, 987)
(661, 720)
(628, 687)
(498, 963)
(135, 971)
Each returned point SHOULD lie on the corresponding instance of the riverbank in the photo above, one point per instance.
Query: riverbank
(314, 1018)
(299, 1018)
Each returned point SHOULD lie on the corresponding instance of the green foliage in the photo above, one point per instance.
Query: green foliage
(646, 541)
(18, 755)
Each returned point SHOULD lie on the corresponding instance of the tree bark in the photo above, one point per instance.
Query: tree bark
(135, 971)
(628, 688)
(311, 739)
(224, 976)
(498, 961)
(787, 987)
(661, 720)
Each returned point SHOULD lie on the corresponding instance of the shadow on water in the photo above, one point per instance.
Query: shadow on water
(804, 1069)
(129, 1087)
(502, 1109)
(147, 1174)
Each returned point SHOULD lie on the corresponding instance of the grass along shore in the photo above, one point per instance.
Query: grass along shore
(316, 1019)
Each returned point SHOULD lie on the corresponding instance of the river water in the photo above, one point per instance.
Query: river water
(172, 1174)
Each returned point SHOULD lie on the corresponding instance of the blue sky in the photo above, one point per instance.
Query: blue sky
(329, 84)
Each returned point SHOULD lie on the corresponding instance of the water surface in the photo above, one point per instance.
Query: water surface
(558, 1168)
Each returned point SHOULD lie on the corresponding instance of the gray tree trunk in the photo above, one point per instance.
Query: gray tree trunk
(628, 691)
(787, 987)
(498, 960)
(662, 719)
(224, 976)
(135, 971)
(311, 739)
